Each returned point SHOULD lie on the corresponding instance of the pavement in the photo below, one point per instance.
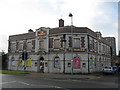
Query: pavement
(64, 76)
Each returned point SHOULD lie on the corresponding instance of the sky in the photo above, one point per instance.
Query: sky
(18, 16)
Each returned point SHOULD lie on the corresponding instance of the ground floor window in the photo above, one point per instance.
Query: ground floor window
(13, 61)
(56, 62)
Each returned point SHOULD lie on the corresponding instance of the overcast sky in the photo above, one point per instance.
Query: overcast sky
(17, 16)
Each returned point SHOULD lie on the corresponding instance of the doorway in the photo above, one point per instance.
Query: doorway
(41, 64)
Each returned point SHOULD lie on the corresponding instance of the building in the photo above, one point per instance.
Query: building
(117, 60)
(111, 41)
(0, 60)
(65, 49)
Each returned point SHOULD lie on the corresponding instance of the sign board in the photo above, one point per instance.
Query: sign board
(81, 50)
(42, 33)
(76, 62)
(28, 62)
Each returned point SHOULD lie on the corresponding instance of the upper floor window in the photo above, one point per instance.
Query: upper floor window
(13, 46)
(99, 47)
(70, 41)
(76, 43)
(29, 45)
(82, 42)
(41, 44)
(20, 46)
(33, 44)
(56, 43)
(50, 42)
(96, 46)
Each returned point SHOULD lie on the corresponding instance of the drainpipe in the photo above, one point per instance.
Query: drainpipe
(88, 53)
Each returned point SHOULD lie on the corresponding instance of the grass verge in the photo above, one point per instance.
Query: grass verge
(12, 72)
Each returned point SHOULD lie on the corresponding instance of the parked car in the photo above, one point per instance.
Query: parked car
(110, 70)
(119, 69)
(115, 69)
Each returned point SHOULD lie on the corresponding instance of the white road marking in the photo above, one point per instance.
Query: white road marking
(8, 82)
(23, 83)
(32, 84)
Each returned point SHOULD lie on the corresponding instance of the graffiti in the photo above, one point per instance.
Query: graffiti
(28, 62)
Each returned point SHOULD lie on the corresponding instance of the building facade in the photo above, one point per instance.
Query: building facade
(111, 41)
(65, 49)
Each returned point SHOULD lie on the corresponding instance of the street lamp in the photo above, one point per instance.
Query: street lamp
(70, 15)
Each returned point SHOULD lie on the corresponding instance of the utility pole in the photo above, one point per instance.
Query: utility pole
(70, 15)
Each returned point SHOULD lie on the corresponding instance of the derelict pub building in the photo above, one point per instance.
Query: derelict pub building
(65, 49)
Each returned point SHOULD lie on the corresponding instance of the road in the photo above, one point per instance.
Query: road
(21, 81)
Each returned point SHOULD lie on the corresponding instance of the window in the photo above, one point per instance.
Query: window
(61, 38)
(96, 46)
(83, 64)
(41, 45)
(50, 42)
(13, 46)
(33, 44)
(70, 41)
(57, 62)
(17, 43)
(82, 42)
(93, 44)
(99, 47)
(90, 45)
(13, 61)
(29, 47)
(76, 43)
(56, 44)
(20, 46)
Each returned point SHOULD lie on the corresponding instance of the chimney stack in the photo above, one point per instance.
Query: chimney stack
(30, 31)
(61, 23)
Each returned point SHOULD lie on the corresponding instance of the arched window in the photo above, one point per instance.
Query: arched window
(56, 62)
(13, 61)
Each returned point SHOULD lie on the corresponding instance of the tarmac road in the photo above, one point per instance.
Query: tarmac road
(64, 82)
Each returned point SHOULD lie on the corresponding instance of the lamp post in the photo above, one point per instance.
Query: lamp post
(70, 15)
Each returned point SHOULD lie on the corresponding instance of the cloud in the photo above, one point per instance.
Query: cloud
(17, 16)
(3, 42)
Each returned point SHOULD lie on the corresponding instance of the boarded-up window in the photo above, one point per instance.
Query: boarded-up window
(17, 45)
(96, 46)
(41, 44)
(20, 46)
(24, 45)
(82, 42)
(9, 47)
(76, 43)
(29, 45)
(13, 46)
(50, 42)
(56, 43)
(33, 44)
(56, 62)
(70, 41)
(61, 38)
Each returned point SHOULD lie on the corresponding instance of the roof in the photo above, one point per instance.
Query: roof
(22, 36)
(67, 29)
